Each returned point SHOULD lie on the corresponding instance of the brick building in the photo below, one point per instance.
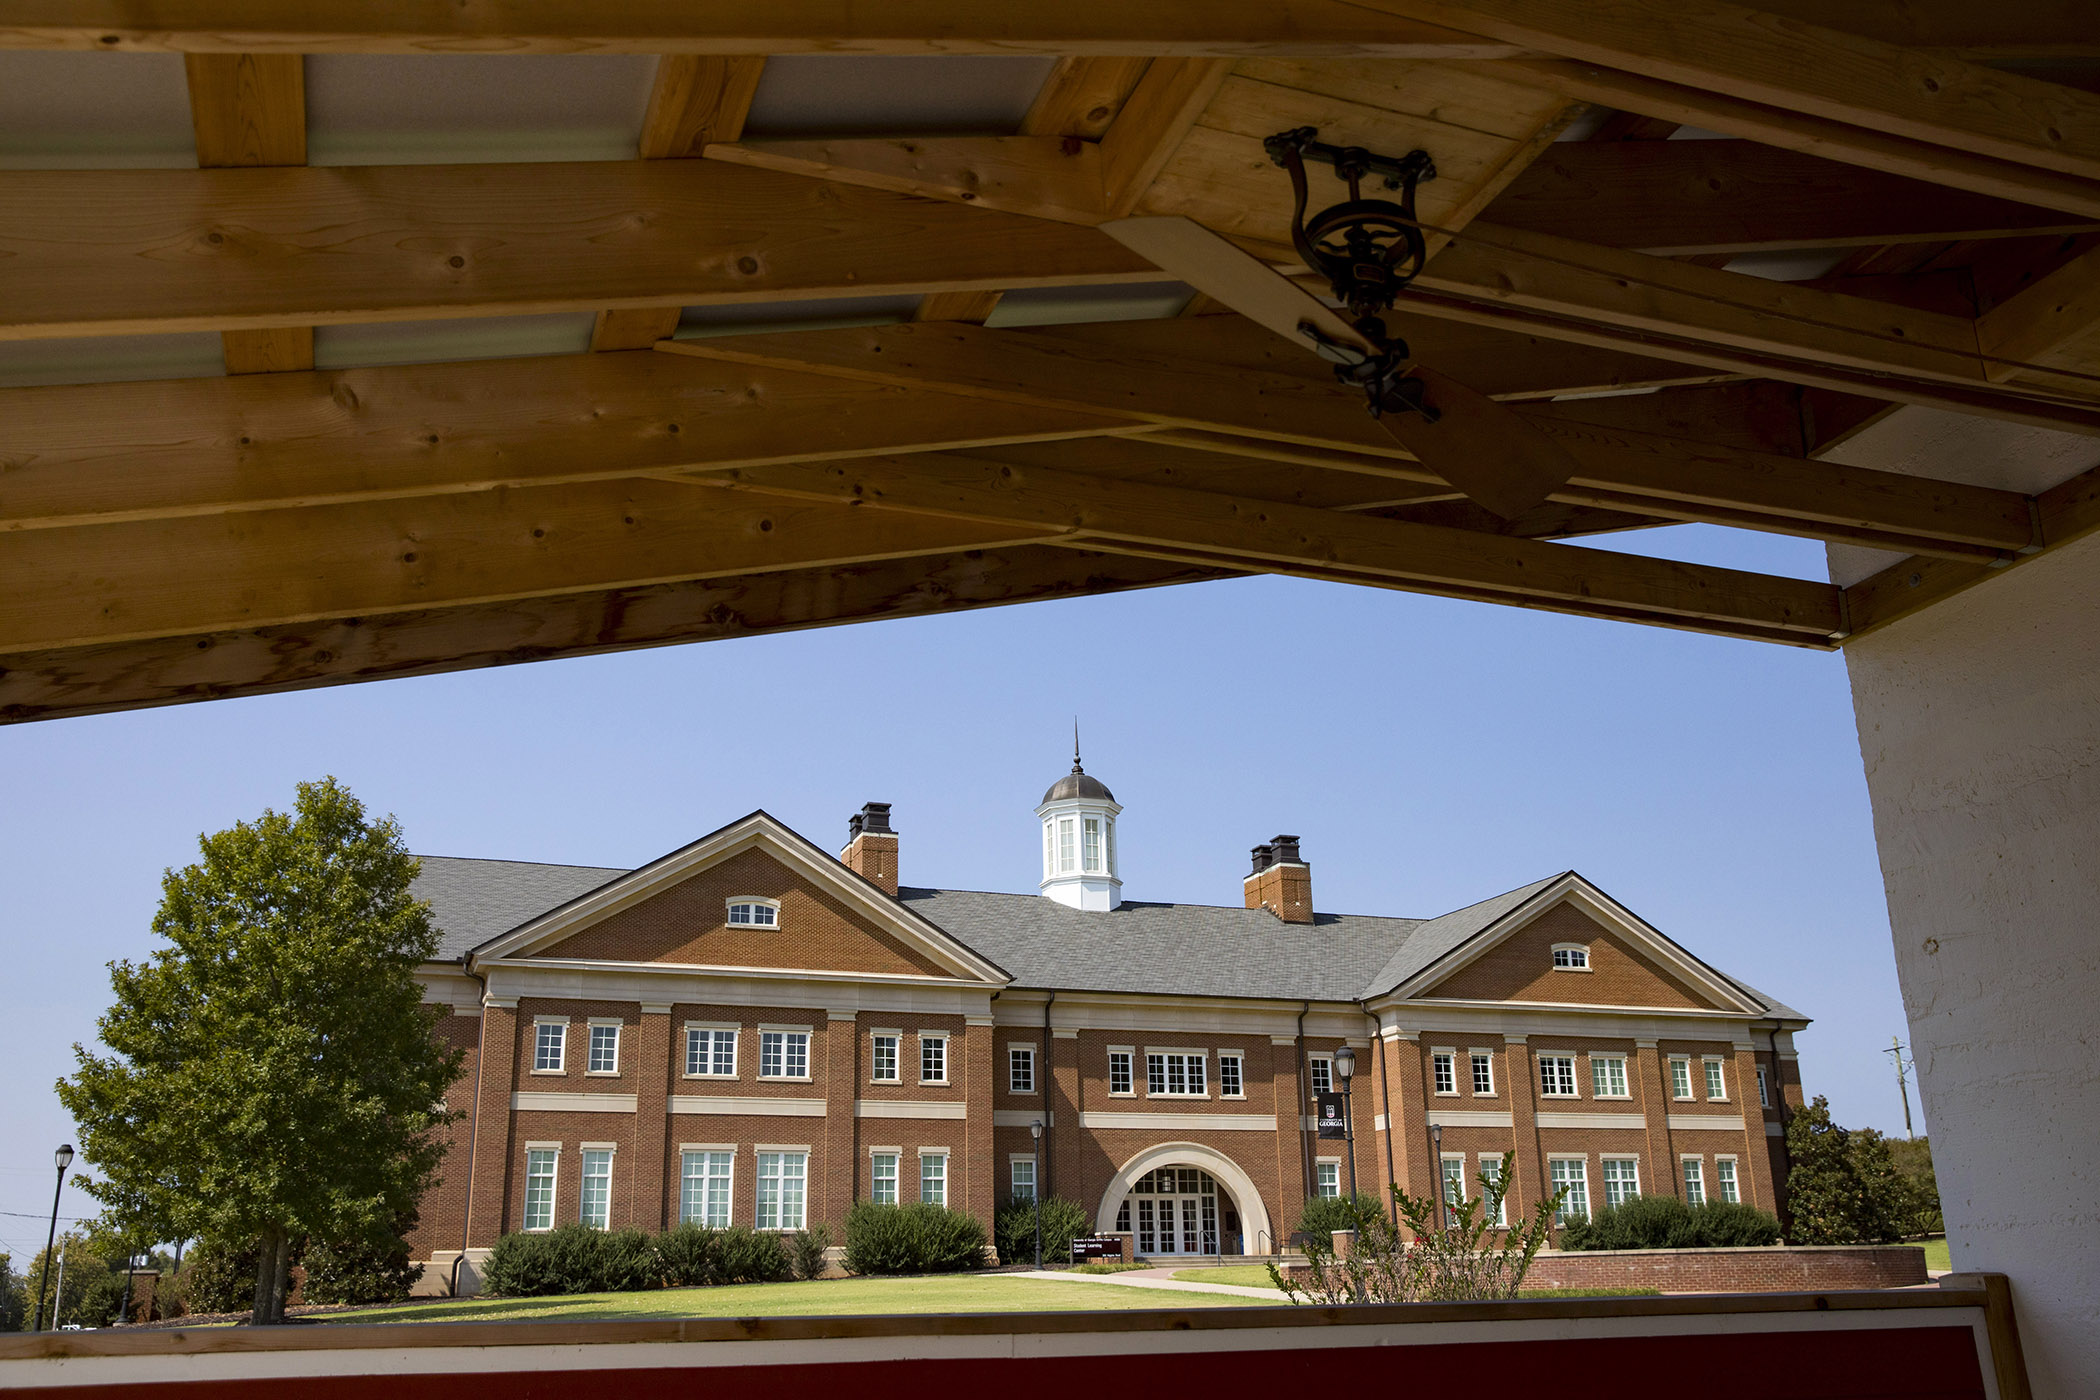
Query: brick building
(751, 1031)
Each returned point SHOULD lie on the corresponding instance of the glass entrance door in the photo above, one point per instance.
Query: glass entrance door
(1173, 1210)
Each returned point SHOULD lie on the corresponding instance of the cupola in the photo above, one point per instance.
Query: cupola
(1079, 840)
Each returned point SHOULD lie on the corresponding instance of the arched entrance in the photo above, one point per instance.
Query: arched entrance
(1189, 1195)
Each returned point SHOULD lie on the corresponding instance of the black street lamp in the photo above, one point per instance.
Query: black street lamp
(64, 1158)
(1035, 1189)
(1345, 1070)
(1443, 1187)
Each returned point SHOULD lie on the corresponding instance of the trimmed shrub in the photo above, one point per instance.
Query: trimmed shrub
(1013, 1229)
(1324, 1215)
(914, 1239)
(696, 1256)
(805, 1251)
(1665, 1222)
(572, 1258)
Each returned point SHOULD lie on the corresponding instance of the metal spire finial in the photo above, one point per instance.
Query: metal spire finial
(1075, 745)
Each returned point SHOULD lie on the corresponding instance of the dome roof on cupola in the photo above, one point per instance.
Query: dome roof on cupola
(1077, 783)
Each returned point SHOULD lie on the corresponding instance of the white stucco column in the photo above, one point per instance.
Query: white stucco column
(1979, 722)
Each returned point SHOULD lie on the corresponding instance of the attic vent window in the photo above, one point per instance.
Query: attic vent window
(1571, 957)
(762, 913)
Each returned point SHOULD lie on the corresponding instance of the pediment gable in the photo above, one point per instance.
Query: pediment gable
(1629, 964)
(674, 913)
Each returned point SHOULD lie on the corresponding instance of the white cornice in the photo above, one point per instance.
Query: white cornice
(650, 982)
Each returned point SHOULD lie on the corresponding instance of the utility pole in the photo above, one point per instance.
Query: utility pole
(1903, 1068)
(58, 1298)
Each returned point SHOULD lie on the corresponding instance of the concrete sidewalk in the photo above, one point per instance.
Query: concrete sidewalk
(1161, 1279)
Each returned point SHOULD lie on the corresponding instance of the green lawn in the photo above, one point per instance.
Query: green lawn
(1245, 1275)
(948, 1293)
(1936, 1254)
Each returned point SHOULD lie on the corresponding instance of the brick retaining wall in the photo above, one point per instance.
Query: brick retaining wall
(1773, 1269)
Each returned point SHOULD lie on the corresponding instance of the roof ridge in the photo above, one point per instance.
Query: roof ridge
(508, 860)
(1170, 904)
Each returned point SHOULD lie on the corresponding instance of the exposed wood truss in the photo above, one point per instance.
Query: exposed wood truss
(283, 526)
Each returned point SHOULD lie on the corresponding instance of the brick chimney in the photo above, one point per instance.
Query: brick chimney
(1281, 881)
(871, 847)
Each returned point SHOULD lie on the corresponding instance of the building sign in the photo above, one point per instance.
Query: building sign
(1087, 1247)
(1333, 1120)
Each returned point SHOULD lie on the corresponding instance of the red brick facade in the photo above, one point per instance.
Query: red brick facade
(679, 1033)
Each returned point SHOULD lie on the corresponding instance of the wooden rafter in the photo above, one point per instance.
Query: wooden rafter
(2040, 322)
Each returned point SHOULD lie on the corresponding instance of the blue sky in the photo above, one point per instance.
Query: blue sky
(1430, 752)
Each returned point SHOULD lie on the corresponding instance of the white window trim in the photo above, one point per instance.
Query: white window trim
(1186, 1053)
(1311, 1060)
(563, 1022)
(941, 1155)
(766, 900)
(1132, 1091)
(946, 1038)
(1494, 1089)
(735, 1030)
(1700, 1162)
(1445, 1159)
(1571, 1057)
(809, 1054)
(1691, 1086)
(1582, 948)
(729, 1147)
(595, 1023)
(1624, 1073)
(1336, 1163)
(1035, 1184)
(896, 1035)
(1480, 1160)
(1450, 1053)
(1035, 1076)
(758, 1180)
(1604, 1157)
(1722, 1061)
(1241, 1056)
(1764, 1090)
(553, 1187)
(1589, 1205)
(1730, 1159)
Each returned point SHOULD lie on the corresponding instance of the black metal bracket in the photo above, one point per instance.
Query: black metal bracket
(1368, 250)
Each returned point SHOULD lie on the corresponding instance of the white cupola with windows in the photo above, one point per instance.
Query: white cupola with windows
(1079, 841)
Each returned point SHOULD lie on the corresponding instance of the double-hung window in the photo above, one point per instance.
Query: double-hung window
(1557, 1076)
(1724, 1171)
(1020, 1069)
(882, 1179)
(539, 1187)
(1327, 1179)
(1023, 1169)
(1716, 1084)
(1232, 1077)
(1443, 1071)
(883, 1058)
(782, 1180)
(710, 1051)
(1119, 1072)
(783, 1055)
(1573, 1174)
(933, 1178)
(1764, 1091)
(1622, 1180)
(1175, 1075)
(1694, 1182)
(1483, 1074)
(1092, 847)
(1491, 1175)
(933, 1058)
(705, 1179)
(1608, 1076)
(1322, 1070)
(1454, 1181)
(605, 1049)
(1680, 1077)
(549, 1040)
(596, 1199)
(1067, 854)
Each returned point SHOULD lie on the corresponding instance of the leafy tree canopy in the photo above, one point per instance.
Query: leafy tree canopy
(1843, 1187)
(272, 1070)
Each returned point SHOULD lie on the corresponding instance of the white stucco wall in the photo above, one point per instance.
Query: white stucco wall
(1979, 723)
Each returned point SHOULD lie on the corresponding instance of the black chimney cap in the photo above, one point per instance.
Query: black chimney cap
(1286, 848)
(1263, 858)
(874, 818)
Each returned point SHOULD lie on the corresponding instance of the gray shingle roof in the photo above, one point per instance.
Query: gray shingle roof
(1185, 949)
(473, 901)
(1158, 949)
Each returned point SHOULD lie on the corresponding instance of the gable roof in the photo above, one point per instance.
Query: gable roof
(473, 901)
(756, 830)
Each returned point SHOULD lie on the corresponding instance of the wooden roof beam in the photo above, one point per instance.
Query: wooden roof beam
(1323, 423)
(1756, 56)
(1676, 198)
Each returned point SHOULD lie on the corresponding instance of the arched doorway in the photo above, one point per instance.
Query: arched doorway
(1192, 1196)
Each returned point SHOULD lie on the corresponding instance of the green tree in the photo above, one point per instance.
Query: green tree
(274, 1074)
(1843, 1187)
(1920, 1210)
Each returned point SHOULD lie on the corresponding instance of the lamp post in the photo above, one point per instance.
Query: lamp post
(1436, 1150)
(64, 1158)
(1035, 1189)
(1345, 1070)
